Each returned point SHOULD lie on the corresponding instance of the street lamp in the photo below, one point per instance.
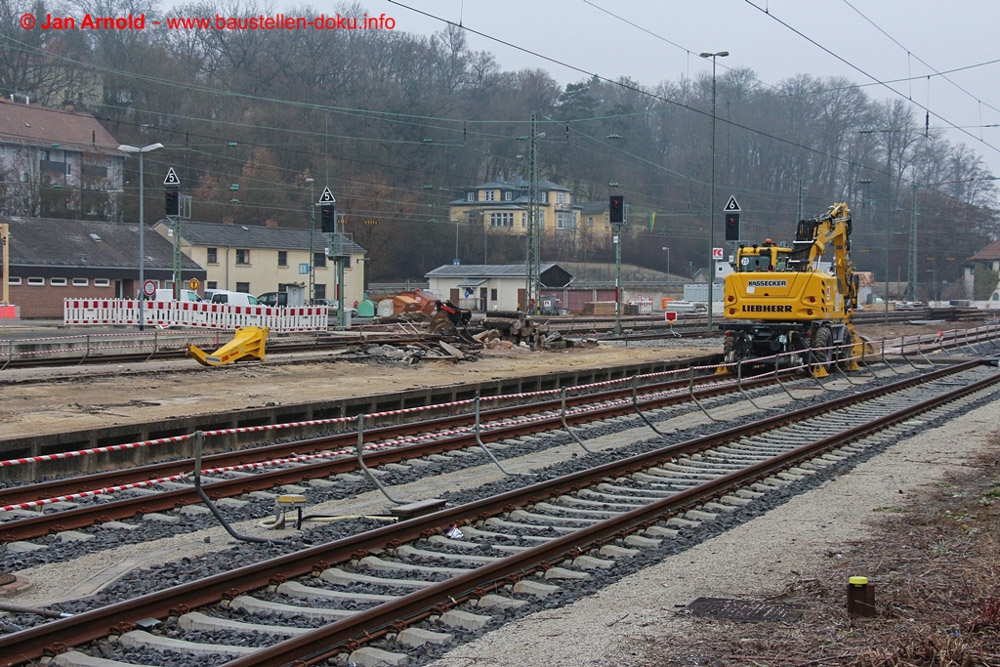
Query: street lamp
(711, 198)
(142, 223)
(668, 258)
(312, 231)
(456, 260)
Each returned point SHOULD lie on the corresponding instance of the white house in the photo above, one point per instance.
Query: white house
(56, 163)
(491, 287)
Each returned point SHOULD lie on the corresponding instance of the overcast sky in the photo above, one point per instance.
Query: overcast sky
(897, 41)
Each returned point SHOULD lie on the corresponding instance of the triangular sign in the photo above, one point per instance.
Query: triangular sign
(732, 205)
(327, 197)
(171, 178)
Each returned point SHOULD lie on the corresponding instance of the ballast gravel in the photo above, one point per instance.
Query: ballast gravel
(602, 626)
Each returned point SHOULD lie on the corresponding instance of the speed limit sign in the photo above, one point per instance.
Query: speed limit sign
(149, 288)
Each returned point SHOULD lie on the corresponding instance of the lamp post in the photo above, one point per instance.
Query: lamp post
(668, 258)
(711, 197)
(312, 231)
(142, 223)
(456, 260)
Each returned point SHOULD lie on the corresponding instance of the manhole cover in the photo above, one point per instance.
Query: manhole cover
(7, 578)
(747, 611)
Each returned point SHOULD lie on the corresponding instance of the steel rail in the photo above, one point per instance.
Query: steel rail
(82, 517)
(67, 486)
(57, 636)
(355, 631)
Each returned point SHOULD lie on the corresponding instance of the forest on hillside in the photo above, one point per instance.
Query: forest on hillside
(395, 123)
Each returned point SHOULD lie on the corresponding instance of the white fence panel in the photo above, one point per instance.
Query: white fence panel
(118, 312)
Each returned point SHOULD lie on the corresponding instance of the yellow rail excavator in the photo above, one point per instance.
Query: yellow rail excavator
(248, 343)
(780, 299)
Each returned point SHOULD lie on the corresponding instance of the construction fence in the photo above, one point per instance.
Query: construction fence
(195, 315)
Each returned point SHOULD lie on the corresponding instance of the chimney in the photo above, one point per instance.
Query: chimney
(227, 221)
(272, 224)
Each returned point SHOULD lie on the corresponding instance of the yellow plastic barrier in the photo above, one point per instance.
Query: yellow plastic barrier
(249, 343)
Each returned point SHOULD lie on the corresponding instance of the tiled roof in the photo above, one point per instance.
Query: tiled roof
(990, 252)
(38, 126)
(593, 207)
(213, 234)
(45, 242)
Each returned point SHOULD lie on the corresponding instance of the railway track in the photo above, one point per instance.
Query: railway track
(30, 511)
(404, 586)
(123, 348)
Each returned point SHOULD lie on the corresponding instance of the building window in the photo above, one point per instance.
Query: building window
(561, 197)
(541, 219)
(489, 195)
(590, 221)
(319, 259)
(543, 197)
(501, 219)
(211, 284)
(565, 220)
(524, 220)
(80, 282)
(470, 196)
(36, 281)
(243, 287)
(282, 258)
(102, 282)
(58, 282)
(508, 196)
(242, 257)
(493, 294)
(320, 291)
(212, 255)
(14, 280)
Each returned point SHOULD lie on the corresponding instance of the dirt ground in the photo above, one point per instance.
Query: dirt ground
(43, 401)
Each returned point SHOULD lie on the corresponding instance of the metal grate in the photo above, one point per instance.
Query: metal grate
(745, 611)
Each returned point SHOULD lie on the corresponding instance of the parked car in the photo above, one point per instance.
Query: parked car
(234, 298)
(168, 295)
(279, 299)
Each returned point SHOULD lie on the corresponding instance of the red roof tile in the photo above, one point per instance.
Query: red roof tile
(990, 252)
(39, 126)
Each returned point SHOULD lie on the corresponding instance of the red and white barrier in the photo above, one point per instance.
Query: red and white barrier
(113, 312)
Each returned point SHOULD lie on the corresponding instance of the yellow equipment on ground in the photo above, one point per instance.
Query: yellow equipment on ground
(781, 299)
(249, 343)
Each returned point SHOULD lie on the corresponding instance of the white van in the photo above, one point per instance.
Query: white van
(168, 295)
(234, 298)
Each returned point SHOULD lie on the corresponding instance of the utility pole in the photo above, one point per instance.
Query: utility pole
(312, 244)
(711, 198)
(532, 283)
(911, 284)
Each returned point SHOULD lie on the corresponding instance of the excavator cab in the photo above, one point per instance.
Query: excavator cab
(763, 258)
